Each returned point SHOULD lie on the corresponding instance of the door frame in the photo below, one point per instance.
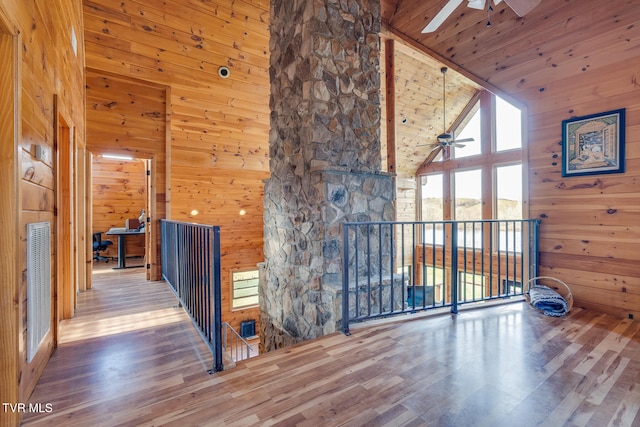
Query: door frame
(10, 136)
(65, 265)
(151, 239)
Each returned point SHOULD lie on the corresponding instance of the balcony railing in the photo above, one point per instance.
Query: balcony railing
(392, 268)
(191, 266)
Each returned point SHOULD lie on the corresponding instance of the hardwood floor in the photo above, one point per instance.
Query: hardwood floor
(130, 358)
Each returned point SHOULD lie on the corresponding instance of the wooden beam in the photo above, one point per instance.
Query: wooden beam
(390, 76)
(487, 138)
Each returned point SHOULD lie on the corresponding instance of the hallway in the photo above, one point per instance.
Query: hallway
(126, 344)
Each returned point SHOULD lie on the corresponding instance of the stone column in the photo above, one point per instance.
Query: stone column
(324, 158)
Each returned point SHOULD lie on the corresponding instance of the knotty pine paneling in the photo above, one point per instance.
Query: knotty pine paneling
(118, 193)
(219, 128)
(48, 66)
(125, 116)
(590, 236)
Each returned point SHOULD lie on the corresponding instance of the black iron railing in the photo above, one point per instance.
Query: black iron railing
(191, 266)
(232, 342)
(402, 267)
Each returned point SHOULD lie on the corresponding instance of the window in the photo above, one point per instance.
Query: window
(470, 286)
(508, 126)
(468, 195)
(511, 287)
(434, 277)
(432, 200)
(509, 191)
(484, 180)
(509, 205)
(432, 207)
(470, 130)
(245, 289)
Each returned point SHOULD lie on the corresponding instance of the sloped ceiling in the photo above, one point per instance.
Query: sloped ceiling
(419, 105)
(519, 56)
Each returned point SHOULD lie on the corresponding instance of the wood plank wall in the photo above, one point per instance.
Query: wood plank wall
(219, 128)
(119, 192)
(49, 66)
(589, 235)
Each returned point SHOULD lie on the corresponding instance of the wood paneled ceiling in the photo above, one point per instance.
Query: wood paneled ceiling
(419, 105)
(521, 58)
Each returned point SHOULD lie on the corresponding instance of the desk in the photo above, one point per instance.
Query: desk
(122, 234)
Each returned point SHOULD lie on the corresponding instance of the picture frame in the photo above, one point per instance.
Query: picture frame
(594, 144)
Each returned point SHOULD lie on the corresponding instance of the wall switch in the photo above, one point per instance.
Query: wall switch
(41, 153)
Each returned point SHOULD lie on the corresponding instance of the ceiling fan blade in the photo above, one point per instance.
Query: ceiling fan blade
(476, 4)
(455, 144)
(463, 140)
(522, 7)
(441, 16)
(435, 147)
(430, 147)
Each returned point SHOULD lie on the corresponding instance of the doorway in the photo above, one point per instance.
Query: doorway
(120, 188)
(128, 117)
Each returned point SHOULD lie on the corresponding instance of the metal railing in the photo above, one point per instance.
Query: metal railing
(234, 343)
(191, 266)
(392, 268)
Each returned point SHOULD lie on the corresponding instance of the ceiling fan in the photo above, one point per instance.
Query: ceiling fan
(520, 7)
(445, 139)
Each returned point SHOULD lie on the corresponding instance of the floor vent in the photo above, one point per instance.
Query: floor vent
(38, 285)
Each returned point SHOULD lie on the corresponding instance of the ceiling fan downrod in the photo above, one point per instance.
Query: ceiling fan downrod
(444, 137)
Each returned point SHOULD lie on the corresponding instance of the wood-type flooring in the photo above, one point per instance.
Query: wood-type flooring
(131, 358)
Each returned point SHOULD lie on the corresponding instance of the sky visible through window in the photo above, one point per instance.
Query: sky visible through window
(508, 137)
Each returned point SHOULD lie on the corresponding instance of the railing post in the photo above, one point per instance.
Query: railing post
(454, 268)
(536, 242)
(217, 301)
(345, 281)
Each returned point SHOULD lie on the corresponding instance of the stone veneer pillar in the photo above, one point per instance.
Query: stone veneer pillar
(324, 159)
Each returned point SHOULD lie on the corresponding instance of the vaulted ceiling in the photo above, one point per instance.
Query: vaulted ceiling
(517, 57)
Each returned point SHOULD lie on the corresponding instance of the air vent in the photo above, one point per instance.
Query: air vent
(248, 328)
(38, 285)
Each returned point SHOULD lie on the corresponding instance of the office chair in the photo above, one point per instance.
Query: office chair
(100, 245)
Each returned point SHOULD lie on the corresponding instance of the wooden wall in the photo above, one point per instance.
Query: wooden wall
(119, 192)
(47, 67)
(590, 234)
(217, 154)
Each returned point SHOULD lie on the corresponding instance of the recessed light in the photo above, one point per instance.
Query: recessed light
(116, 157)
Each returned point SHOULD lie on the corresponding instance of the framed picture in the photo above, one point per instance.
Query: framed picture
(593, 145)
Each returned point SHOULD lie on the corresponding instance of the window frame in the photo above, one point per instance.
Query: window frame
(233, 289)
(486, 161)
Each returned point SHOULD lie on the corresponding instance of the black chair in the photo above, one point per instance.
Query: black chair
(100, 245)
